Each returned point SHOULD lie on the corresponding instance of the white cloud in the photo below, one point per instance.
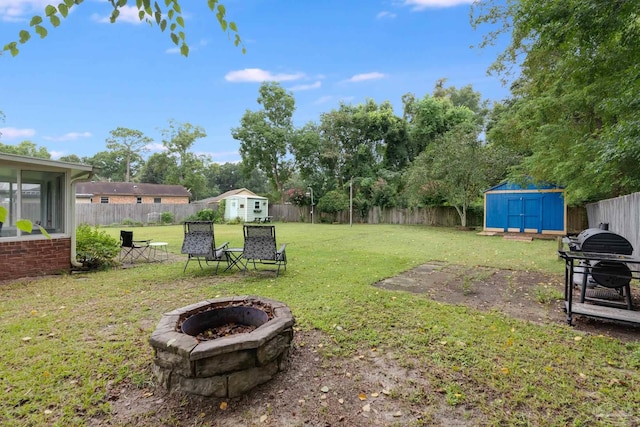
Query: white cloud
(323, 99)
(315, 85)
(426, 4)
(386, 15)
(18, 10)
(71, 136)
(258, 75)
(11, 133)
(365, 76)
(128, 14)
(55, 155)
(173, 50)
(155, 147)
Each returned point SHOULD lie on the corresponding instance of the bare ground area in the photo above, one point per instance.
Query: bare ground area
(371, 388)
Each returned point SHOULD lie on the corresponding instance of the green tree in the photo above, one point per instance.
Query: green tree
(573, 106)
(454, 167)
(129, 144)
(178, 139)
(265, 135)
(72, 158)
(166, 14)
(109, 166)
(158, 168)
(334, 202)
(26, 148)
(430, 117)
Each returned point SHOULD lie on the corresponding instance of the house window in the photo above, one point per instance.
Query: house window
(157, 200)
(256, 205)
(241, 206)
(37, 196)
(138, 200)
(104, 200)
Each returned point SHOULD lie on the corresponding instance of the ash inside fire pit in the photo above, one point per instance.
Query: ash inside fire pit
(222, 347)
(224, 321)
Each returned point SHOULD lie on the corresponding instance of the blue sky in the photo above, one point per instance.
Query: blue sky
(87, 77)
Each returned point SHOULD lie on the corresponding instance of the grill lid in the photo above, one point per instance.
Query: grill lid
(601, 241)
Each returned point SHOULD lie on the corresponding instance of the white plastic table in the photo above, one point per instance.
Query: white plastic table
(154, 247)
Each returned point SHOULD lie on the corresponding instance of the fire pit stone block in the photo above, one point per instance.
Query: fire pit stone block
(223, 367)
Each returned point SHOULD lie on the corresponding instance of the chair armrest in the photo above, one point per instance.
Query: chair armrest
(220, 250)
(281, 254)
(142, 241)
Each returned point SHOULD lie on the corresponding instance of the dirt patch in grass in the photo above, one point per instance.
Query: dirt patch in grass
(370, 389)
(527, 295)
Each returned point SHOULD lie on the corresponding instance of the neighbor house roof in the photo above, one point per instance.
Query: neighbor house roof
(132, 189)
(237, 192)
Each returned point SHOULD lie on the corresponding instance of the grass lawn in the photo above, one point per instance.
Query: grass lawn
(66, 340)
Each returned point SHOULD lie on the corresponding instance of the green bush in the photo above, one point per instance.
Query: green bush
(206, 215)
(333, 203)
(166, 218)
(131, 222)
(95, 249)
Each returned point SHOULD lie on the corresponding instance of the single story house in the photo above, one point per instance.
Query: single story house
(240, 203)
(540, 209)
(130, 193)
(41, 191)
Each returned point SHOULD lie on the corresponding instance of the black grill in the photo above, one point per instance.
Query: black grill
(600, 241)
(610, 274)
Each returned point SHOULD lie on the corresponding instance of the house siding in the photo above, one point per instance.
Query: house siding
(122, 199)
(35, 258)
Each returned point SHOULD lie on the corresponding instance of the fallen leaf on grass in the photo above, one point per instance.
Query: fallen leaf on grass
(325, 389)
(48, 412)
(263, 418)
(341, 401)
(374, 395)
(386, 392)
(366, 408)
(362, 396)
(25, 339)
(397, 414)
(223, 405)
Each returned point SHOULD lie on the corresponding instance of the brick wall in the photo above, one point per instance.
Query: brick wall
(113, 199)
(34, 258)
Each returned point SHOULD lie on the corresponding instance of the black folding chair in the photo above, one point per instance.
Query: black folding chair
(132, 249)
(199, 243)
(260, 247)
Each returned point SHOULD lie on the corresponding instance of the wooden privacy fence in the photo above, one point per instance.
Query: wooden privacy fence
(439, 216)
(106, 214)
(622, 214)
(443, 216)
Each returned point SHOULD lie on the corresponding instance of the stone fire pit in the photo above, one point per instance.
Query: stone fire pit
(228, 366)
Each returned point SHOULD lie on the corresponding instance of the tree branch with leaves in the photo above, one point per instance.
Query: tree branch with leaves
(166, 15)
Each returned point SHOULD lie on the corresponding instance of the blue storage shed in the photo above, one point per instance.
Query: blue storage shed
(509, 207)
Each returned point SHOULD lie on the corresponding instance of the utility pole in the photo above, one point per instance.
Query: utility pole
(311, 193)
(351, 202)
